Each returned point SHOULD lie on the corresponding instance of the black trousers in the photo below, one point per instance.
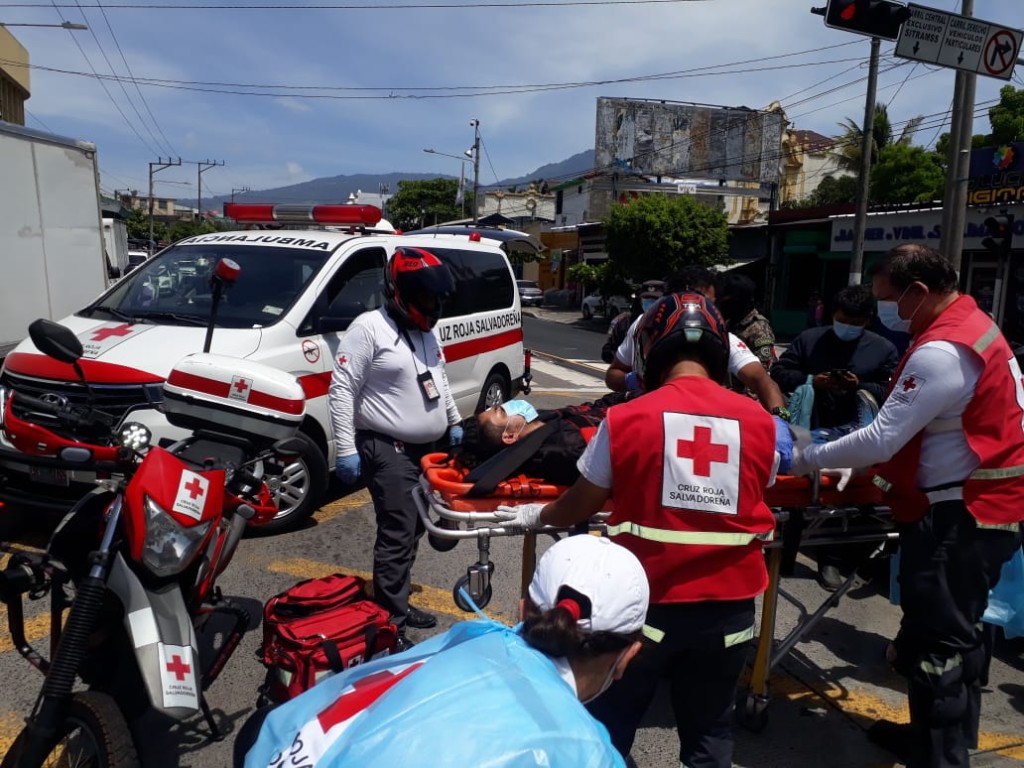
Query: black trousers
(391, 469)
(702, 654)
(947, 567)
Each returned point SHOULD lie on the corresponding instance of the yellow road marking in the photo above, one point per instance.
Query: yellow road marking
(10, 727)
(341, 506)
(429, 598)
(36, 628)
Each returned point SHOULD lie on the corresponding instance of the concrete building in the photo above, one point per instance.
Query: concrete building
(15, 86)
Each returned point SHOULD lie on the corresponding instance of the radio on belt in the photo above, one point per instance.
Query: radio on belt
(240, 397)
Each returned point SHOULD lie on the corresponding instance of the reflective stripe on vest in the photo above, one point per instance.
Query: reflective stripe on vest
(653, 634)
(703, 538)
(986, 338)
(998, 473)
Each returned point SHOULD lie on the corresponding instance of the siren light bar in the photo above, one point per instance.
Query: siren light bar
(346, 215)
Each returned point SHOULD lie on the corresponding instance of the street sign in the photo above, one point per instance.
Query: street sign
(959, 42)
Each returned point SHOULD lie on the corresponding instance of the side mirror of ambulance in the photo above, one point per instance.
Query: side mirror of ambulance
(54, 340)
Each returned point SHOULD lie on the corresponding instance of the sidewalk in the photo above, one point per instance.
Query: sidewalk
(567, 316)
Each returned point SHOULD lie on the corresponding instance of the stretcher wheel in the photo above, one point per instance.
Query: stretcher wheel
(752, 712)
(440, 544)
(481, 602)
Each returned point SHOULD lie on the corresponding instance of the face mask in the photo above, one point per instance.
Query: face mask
(647, 303)
(847, 332)
(608, 679)
(519, 408)
(889, 314)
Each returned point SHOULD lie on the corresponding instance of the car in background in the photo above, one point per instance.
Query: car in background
(530, 294)
(135, 258)
(608, 307)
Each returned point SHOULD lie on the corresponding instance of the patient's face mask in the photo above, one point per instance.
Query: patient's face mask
(519, 408)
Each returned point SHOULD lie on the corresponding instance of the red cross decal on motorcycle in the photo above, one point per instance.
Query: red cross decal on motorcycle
(241, 386)
(103, 334)
(702, 451)
(195, 490)
(908, 384)
(342, 359)
(178, 668)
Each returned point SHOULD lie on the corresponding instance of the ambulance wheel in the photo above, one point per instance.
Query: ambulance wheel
(752, 712)
(495, 391)
(297, 486)
(460, 601)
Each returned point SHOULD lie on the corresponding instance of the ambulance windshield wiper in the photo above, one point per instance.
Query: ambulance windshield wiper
(112, 311)
(186, 319)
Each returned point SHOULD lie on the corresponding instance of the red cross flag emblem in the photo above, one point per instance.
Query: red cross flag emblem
(701, 468)
(907, 387)
(178, 668)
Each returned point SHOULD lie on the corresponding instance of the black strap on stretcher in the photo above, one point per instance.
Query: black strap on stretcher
(487, 476)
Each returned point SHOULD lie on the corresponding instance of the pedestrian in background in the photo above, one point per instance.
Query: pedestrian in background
(950, 442)
(390, 405)
(734, 297)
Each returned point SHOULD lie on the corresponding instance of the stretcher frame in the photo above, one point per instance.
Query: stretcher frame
(797, 526)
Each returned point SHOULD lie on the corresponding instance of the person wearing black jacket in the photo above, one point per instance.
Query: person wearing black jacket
(843, 358)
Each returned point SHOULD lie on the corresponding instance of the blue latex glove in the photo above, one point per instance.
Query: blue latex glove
(348, 468)
(455, 435)
(783, 444)
(633, 383)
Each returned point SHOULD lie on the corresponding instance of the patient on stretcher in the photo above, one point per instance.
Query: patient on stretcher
(566, 433)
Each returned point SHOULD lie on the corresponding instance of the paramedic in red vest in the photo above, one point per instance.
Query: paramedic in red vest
(950, 439)
(686, 466)
(390, 404)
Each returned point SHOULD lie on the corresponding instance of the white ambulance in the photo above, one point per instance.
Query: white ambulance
(297, 293)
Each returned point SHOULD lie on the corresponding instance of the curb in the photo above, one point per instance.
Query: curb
(571, 364)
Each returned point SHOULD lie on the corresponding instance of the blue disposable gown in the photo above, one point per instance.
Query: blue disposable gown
(476, 695)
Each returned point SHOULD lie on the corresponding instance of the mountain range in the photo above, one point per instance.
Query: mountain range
(336, 189)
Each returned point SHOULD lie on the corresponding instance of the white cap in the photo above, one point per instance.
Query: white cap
(608, 574)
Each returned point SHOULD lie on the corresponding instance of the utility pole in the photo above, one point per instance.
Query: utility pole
(954, 198)
(239, 190)
(156, 167)
(860, 218)
(203, 165)
(476, 167)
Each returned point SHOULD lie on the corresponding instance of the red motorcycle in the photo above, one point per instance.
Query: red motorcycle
(141, 553)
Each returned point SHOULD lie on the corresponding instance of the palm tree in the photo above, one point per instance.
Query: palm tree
(881, 136)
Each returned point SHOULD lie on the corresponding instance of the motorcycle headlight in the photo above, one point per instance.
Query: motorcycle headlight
(169, 547)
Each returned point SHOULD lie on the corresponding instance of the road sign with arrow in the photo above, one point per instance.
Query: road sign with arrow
(959, 42)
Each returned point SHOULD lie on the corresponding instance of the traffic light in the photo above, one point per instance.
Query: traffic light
(1000, 234)
(875, 18)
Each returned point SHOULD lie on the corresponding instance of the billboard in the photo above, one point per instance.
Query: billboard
(996, 175)
(659, 138)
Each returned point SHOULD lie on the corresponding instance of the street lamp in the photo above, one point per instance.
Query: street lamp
(462, 176)
(64, 25)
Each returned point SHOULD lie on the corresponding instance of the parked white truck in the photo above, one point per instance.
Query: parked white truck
(51, 231)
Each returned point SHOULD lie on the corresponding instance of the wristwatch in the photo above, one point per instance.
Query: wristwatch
(782, 412)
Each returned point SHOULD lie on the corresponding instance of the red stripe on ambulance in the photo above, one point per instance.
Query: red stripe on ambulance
(222, 388)
(479, 346)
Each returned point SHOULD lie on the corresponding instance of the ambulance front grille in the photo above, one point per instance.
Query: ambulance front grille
(114, 399)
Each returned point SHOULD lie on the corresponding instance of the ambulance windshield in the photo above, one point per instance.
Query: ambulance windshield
(174, 287)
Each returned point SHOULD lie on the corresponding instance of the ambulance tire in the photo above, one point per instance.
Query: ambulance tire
(496, 390)
(301, 484)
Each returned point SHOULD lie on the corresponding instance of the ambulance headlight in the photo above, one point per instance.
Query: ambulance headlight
(169, 547)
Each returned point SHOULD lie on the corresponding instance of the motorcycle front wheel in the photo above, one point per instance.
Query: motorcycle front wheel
(94, 734)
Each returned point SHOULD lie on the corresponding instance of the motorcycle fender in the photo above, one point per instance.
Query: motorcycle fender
(161, 632)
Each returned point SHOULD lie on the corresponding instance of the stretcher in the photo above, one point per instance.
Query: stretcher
(809, 511)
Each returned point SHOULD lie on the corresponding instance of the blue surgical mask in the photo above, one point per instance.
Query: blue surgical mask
(647, 303)
(519, 408)
(847, 332)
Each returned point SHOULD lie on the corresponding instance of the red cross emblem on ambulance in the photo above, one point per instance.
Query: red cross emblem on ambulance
(701, 468)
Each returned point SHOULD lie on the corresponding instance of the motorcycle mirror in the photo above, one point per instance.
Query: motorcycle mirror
(227, 270)
(55, 340)
(290, 446)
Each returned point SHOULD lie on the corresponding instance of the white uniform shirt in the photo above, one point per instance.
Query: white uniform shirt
(739, 354)
(932, 393)
(375, 386)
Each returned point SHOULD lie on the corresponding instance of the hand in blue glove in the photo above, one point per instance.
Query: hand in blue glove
(455, 435)
(633, 383)
(783, 444)
(348, 468)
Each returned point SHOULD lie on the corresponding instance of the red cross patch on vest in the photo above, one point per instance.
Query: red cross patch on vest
(701, 463)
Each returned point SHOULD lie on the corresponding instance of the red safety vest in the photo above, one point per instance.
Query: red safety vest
(993, 424)
(690, 462)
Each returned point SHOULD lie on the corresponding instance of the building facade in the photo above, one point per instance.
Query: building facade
(15, 85)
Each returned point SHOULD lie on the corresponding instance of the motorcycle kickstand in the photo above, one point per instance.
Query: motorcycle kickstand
(216, 734)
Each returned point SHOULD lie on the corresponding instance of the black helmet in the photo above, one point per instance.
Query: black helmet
(677, 322)
(415, 283)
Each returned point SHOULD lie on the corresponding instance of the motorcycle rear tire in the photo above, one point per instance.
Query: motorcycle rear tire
(97, 715)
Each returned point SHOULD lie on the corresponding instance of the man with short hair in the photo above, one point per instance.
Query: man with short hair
(950, 439)
(734, 297)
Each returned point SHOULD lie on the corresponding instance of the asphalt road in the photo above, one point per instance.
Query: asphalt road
(823, 694)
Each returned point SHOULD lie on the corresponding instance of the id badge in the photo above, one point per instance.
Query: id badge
(426, 381)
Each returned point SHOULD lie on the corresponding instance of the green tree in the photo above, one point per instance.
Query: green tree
(905, 174)
(1007, 117)
(881, 136)
(833, 190)
(654, 235)
(422, 203)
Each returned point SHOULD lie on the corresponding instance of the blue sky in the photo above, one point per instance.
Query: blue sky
(417, 76)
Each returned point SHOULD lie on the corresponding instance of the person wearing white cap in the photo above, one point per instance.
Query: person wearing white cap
(481, 693)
